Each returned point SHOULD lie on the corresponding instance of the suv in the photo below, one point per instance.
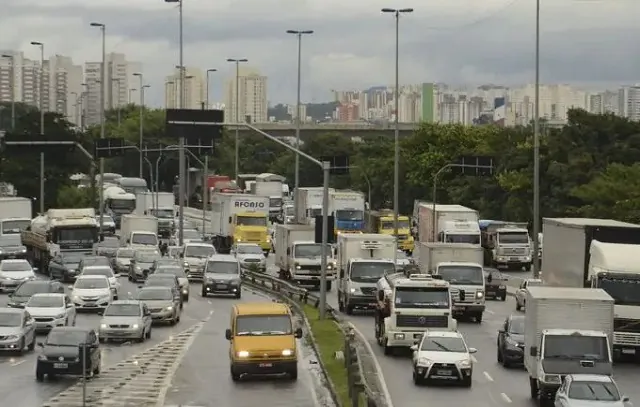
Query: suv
(24, 291)
(222, 276)
(63, 351)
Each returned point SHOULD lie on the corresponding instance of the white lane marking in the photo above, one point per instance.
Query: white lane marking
(209, 302)
(488, 376)
(17, 363)
(488, 311)
(505, 398)
(473, 359)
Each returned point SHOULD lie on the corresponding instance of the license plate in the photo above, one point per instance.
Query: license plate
(91, 305)
(222, 286)
(629, 351)
(265, 365)
(60, 365)
(513, 259)
(444, 372)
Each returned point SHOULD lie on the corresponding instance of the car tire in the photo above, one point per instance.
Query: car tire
(467, 382)
(518, 306)
(148, 334)
(234, 376)
(23, 343)
(39, 375)
(293, 374)
(203, 293)
(417, 380)
(32, 345)
(186, 298)
(503, 298)
(239, 294)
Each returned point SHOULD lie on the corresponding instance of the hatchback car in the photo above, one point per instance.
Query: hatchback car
(64, 266)
(50, 310)
(166, 280)
(442, 355)
(495, 285)
(588, 390)
(122, 259)
(222, 276)
(25, 290)
(61, 353)
(521, 293)
(162, 304)
(125, 319)
(17, 330)
(177, 271)
(511, 341)
(13, 272)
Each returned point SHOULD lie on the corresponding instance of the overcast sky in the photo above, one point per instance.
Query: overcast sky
(453, 41)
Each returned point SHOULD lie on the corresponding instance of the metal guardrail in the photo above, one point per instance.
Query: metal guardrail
(362, 370)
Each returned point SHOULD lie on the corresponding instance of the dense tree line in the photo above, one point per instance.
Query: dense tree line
(588, 167)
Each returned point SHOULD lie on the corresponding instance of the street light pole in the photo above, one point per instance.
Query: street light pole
(130, 91)
(12, 85)
(396, 160)
(117, 81)
(41, 107)
(536, 153)
(237, 61)
(140, 76)
(207, 98)
(299, 34)
(103, 81)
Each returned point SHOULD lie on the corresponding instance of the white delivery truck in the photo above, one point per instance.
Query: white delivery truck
(347, 208)
(273, 190)
(309, 203)
(362, 260)
(508, 244)
(567, 331)
(15, 214)
(239, 218)
(409, 304)
(452, 223)
(139, 231)
(600, 253)
(161, 205)
(299, 257)
(461, 265)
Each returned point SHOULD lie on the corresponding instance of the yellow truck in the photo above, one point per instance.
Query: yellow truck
(382, 222)
(240, 218)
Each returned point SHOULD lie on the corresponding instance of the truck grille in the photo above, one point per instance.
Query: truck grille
(253, 236)
(517, 251)
(43, 319)
(469, 296)
(422, 321)
(626, 325)
(312, 268)
(368, 290)
(119, 326)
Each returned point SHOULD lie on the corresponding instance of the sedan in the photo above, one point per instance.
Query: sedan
(250, 256)
(50, 310)
(511, 341)
(590, 390)
(166, 280)
(141, 263)
(180, 274)
(14, 272)
(161, 303)
(17, 330)
(104, 271)
(125, 319)
(23, 293)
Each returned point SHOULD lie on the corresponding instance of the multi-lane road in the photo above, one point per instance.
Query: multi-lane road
(202, 378)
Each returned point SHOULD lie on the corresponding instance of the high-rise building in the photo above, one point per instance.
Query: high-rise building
(195, 86)
(252, 97)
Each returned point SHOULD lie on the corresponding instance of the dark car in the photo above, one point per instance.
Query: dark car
(495, 285)
(11, 247)
(166, 280)
(141, 263)
(63, 351)
(108, 247)
(93, 261)
(168, 261)
(511, 341)
(65, 266)
(24, 291)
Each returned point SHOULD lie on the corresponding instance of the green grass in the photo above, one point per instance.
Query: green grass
(329, 339)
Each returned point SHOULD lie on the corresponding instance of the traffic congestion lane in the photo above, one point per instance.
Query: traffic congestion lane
(208, 359)
(17, 378)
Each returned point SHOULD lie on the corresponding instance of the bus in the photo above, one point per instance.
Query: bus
(133, 185)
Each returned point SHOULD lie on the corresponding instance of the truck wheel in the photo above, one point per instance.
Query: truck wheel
(328, 285)
(527, 267)
(388, 350)
(518, 306)
(479, 317)
(349, 309)
(533, 386)
(340, 305)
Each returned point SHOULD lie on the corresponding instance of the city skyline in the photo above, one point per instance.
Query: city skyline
(438, 42)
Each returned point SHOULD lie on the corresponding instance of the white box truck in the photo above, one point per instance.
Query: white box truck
(15, 214)
(272, 190)
(452, 223)
(239, 218)
(567, 331)
(139, 231)
(601, 253)
(299, 257)
(362, 260)
(309, 203)
(146, 203)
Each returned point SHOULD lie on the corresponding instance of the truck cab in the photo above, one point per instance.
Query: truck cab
(459, 231)
(509, 244)
(251, 227)
(383, 222)
(347, 208)
(357, 285)
(304, 259)
(467, 287)
(166, 220)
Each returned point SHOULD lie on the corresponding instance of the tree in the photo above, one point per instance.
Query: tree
(74, 197)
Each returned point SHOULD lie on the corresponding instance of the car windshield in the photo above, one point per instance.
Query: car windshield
(97, 272)
(251, 221)
(31, 287)
(95, 261)
(443, 344)
(370, 272)
(146, 256)
(596, 391)
(46, 301)
(422, 297)
(249, 249)
(222, 267)
(64, 337)
(517, 326)
(7, 266)
(155, 294)
(144, 239)
(576, 347)
(160, 281)
(125, 253)
(349, 214)
(199, 251)
(471, 275)
(8, 319)
(172, 270)
(91, 283)
(162, 213)
(15, 226)
(263, 325)
(310, 250)
(124, 310)
(389, 225)
(191, 234)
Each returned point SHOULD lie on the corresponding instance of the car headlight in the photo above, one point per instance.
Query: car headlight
(329, 266)
(424, 362)
(103, 326)
(479, 294)
(464, 363)
(354, 290)
(185, 264)
(552, 378)
(75, 298)
(185, 291)
(298, 267)
(135, 326)
(287, 352)
(243, 354)
(169, 308)
(42, 357)
(60, 316)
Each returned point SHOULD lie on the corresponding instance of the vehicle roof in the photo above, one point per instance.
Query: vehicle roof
(86, 277)
(516, 316)
(125, 302)
(198, 244)
(159, 276)
(262, 308)
(249, 244)
(614, 257)
(443, 334)
(154, 287)
(369, 260)
(591, 378)
(71, 328)
(48, 295)
(13, 261)
(459, 263)
(569, 332)
(569, 293)
(223, 257)
(589, 222)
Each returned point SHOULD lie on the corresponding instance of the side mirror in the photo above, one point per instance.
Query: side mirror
(288, 251)
(298, 333)
(341, 273)
(140, 285)
(380, 295)
(227, 334)
(473, 350)
(40, 344)
(69, 305)
(147, 313)
(29, 322)
(533, 351)
(625, 399)
(501, 331)
(414, 348)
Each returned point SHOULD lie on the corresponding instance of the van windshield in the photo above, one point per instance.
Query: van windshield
(370, 271)
(262, 325)
(576, 347)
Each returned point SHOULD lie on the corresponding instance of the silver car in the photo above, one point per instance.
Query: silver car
(123, 259)
(14, 272)
(125, 319)
(194, 257)
(250, 256)
(178, 272)
(222, 276)
(161, 303)
(590, 390)
(17, 330)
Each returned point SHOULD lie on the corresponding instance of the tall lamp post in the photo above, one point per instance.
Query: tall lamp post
(299, 34)
(103, 81)
(41, 107)
(12, 87)
(141, 77)
(396, 160)
(131, 90)
(169, 85)
(536, 153)
(207, 98)
(237, 61)
(117, 81)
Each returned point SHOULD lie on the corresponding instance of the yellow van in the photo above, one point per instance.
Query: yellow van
(263, 340)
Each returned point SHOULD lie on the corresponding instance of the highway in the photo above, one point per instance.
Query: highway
(201, 379)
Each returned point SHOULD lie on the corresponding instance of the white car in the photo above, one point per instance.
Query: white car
(104, 271)
(590, 390)
(50, 310)
(194, 257)
(13, 273)
(92, 293)
(521, 293)
(250, 255)
(189, 235)
(442, 355)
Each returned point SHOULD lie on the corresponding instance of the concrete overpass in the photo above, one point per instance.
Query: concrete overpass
(362, 130)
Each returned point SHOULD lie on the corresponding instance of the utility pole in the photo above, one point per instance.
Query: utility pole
(12, 85)
(237, 61)
(103, 80)
(41, 107)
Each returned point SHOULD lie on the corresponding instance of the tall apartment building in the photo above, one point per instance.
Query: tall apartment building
(252, 97)
(119, 78)
(195, 89)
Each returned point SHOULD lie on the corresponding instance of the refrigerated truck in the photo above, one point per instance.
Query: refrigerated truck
(308, 202)
(452, 223)
(239, 218)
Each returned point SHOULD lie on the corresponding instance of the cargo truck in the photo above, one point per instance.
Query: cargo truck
(362, 260)
(599, 253)
(383, 222)
(407, 305)
(118, 202)
(160, 205)
(461, 265)
(567, 331)
(347, 208)
(15, 214)
(507, 244)
(299, 257)
(239, 218)
(139, 231)
(309, 203)
(270, 185)
(452, 223)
